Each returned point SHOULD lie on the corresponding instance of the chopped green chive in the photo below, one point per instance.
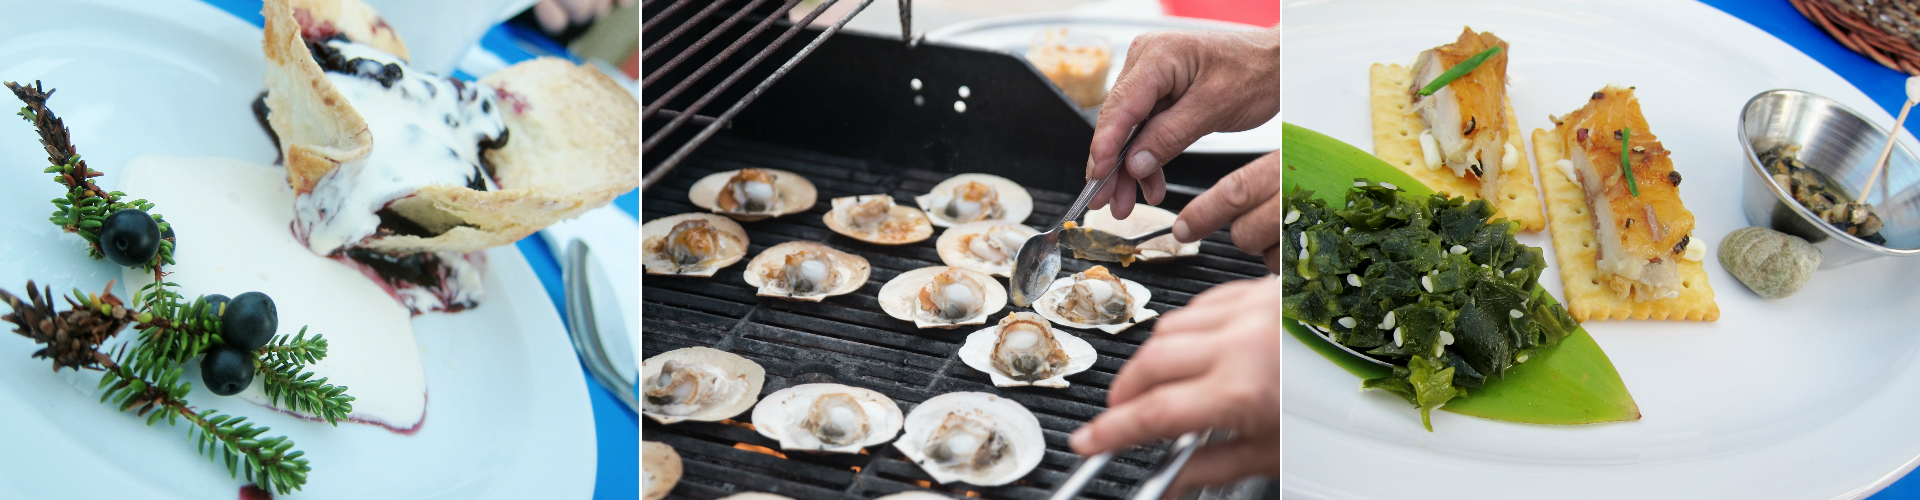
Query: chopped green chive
(1626, 164)
(1459, 70)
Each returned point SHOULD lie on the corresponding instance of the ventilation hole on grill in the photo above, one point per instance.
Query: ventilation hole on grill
(816, 373)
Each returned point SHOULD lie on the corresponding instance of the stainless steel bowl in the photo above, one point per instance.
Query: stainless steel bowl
(1841, 144)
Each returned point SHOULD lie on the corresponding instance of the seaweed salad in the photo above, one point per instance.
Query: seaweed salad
(1430, 284)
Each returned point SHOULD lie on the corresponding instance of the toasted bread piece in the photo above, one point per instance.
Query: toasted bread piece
(573, 140)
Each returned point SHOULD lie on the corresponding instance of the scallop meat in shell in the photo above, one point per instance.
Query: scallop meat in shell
(1024, 349)
(973, 437)
(876, 219)
(752, 194)
(806, 271)
(698, 383)
(1144, 219)
(1095, 299)
(943, 297)
(691, 244)
(976, 197)
(827, 418)
(659, 470)
(988, 247)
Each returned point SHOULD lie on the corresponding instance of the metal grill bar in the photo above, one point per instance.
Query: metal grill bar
(709, 37)
(677, 31)
(849, 340)
(668, 12)
(708, 132)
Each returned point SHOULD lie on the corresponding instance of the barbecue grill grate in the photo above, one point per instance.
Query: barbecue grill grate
(849, 340)
(742, 28)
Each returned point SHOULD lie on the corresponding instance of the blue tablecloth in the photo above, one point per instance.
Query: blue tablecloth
(1886, 86)
(616, 427)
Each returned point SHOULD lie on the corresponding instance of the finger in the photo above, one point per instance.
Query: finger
(1153, 188)
(1165, 411)
(1223, 463)
(1148, 76)
(1159, 361)
(1196, 317)
(552, 17)
(1272, 257)
(1259, 228)
(579, 11)
(1240, 191)
(1123, 196)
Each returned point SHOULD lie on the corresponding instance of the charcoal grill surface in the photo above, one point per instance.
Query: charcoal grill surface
(850, 340)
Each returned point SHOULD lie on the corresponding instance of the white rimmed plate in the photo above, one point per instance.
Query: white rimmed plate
(1811, 396)
(507, 412)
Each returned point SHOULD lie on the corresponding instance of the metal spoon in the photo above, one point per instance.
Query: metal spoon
(1039, 258)
(1328, 336)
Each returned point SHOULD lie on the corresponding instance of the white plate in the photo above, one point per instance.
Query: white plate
(1011, 34)
(1811, 396)
(507, 412)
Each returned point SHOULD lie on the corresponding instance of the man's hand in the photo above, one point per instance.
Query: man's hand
(1249, 198)
(556, 16)
(1213, 364)
(1199, 82)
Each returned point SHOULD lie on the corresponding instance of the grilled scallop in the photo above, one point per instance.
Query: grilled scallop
(806, 271)
(973, 437)
(1025, 350)
(753, 194)
(659, 470)
(691, 244)
(988, 247)
(976, 197)
(1095, 299)
(874, 218)
(1144, 219)
(943, 297)
(827, 418)
(698, 383)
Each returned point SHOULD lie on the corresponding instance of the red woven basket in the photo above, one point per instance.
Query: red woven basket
(1885, 30)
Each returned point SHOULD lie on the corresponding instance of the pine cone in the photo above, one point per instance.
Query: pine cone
(73, 337)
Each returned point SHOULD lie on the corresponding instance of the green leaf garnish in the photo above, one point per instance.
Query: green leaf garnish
(1626, 164)
(1459, 70)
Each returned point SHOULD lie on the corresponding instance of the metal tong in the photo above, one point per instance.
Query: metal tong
(1151, 489)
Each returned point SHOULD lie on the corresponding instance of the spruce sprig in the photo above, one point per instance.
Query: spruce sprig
(85, 207)
(282, 364)
(157, 391)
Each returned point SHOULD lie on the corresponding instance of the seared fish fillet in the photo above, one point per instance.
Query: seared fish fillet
(1466, 117)
(1641, 238)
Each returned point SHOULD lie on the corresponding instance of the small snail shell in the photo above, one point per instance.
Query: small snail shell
(1772, 263)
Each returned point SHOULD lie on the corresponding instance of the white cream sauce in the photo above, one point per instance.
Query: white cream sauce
(425, 131)
(232, 219)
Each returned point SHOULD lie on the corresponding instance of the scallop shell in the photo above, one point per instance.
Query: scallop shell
(1144, 219)
(852, 269)
(1048, 305)
(733, 243)
(955, 253)
(1008, 418)
(900, 297)
(779, 417)
(742, 371)
(659, 470)
(838, 220)
(1014, 199)
(978, 353)
(796, 193)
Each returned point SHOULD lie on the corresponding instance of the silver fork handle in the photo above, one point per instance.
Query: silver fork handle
(585, 332)
(1183, 449)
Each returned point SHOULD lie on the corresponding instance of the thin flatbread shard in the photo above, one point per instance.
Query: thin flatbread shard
(1396, 139)
(1588, 297)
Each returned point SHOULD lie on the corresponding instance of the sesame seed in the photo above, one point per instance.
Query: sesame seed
(1347, 322)
(1446, 338)
(1516, 313)
(1359, 184)
(1387, 324)
(1427, 283)
(1389, 185)
(1457, 249)
(1293, 216)
(1354, 280)
(1521, 359)
(1397, 341)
